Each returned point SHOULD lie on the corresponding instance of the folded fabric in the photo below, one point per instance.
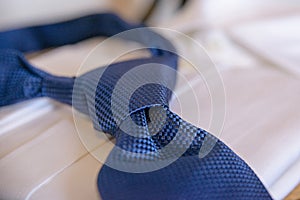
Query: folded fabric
(157, 154)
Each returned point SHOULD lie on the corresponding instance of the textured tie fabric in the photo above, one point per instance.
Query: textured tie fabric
(157, 155)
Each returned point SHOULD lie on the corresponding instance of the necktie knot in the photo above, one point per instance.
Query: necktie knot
(158, 133)
(115, 92)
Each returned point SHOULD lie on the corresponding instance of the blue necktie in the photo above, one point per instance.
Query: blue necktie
(157, 155)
